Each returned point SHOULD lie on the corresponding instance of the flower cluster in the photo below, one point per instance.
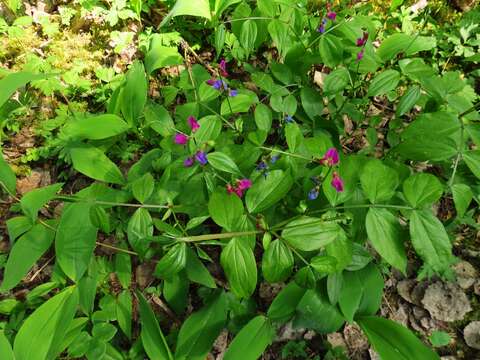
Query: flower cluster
(330, 159)
(240, 187)
(331, 15)
(361, 43)
(182, 139)
(263, 164)
(200, 157)
(220, 84)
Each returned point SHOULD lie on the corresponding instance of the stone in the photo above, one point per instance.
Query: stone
(446, 301)
(37, 178)
(471, 334)
(404, 289)
(355, 339)
(466, 274)
(336, 340)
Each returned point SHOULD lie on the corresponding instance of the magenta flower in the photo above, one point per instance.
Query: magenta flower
(180, 139)
(332, 15)
(330, 158)
(360, 55)
(193, 123)
(201, 157)
(188, 162)
(337, 182)
(223, 68)
(230, 189)
(244, 184)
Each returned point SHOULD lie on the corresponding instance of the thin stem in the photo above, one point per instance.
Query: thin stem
(325, 33)
(285, 153)
(219, 115)
(112, 203)
(116, 248)
(217, 236)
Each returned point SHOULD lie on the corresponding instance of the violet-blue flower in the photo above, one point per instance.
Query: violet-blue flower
(313, 193)
(201, 157)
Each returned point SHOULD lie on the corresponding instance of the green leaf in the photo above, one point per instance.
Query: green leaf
(93, 163)
(210, 128)
(294, 136)
(238, 104)
(75, 240)
(324, 264)
(252, 340)
(7, 176)
(200, 330)
(139, 230)
(440, 338)
(462, 197)
(422, 189)
(277, 262)
(10, 83)
(172, 262)
(238, 262)
(124, 312)
(197, 272)
(336, 81)
(100, 219)
(199, 8)
(142, 187)
(290, 105)
(472, 159)
(223, 162)
(378, 181)
(393, 341)
(408, 100)
(362, 292)
(134, 93)
(315, 312)
(5, 347)
(385, 234)
(41, 334)
(312, 102)
(331, 50)
(401, 42)
(159, 119)
(308, 233)
(225, 209)
(159, 55)
(175, 291)
(430, 239)
(96, 127)
(152, 337)
(25, 253)
(103, 331)
(263, 117)
(285, 303)
(33, 201)
(384, 82)
(222, 5)
(279, 32)
(248, 35)
(266, 191)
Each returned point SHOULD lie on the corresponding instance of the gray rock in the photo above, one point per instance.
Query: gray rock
(466, 274)
(404, 289)
(471, 333)
(356, 341)
(446, 301)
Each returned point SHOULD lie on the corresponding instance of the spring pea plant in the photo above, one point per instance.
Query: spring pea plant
(248, 174)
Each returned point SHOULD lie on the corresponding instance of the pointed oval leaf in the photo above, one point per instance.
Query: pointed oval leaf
(267, 191)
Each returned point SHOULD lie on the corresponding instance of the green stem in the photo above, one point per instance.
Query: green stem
(286, 153)
(217, 236)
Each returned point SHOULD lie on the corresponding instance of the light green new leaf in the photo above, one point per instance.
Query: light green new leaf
(142, 187)
(263, 117)
(33, 201)
(248, 35)
(401, 42)
(159, 119)
(93, 163)
(5, 347)
(308, 233)
(221, 5)
(124, 312)
(200, 330)
(96, 127)
(252, 340)
(294, 136)
(238, 262)
(422, 189)
(223, 162)
(42, 333)
(266, 191)
(393, 341)
(159, 55)
(134, 93)
(10, 83)
(199, 8)
(472, 159)
(25, 253)
(225, 209)
(238, 104)
(430, 239)
(384, 82)
(152, 337)
(384, 232)
(378, 181)
(139, 230)
(75, 240)
(331, 50)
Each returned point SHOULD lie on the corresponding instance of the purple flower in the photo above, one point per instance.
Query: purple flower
(332, 15)
(337, 182)
(360, 55)
(321, 29)
(274, 159)
(289, 119)
(262, 165)
(313, 193)
(363, 40)
(188, 162)
(244, 184)
(193, 123)
(330, 158)
(232, 92)
(201, 157)
(180, 139)
(223, 68)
